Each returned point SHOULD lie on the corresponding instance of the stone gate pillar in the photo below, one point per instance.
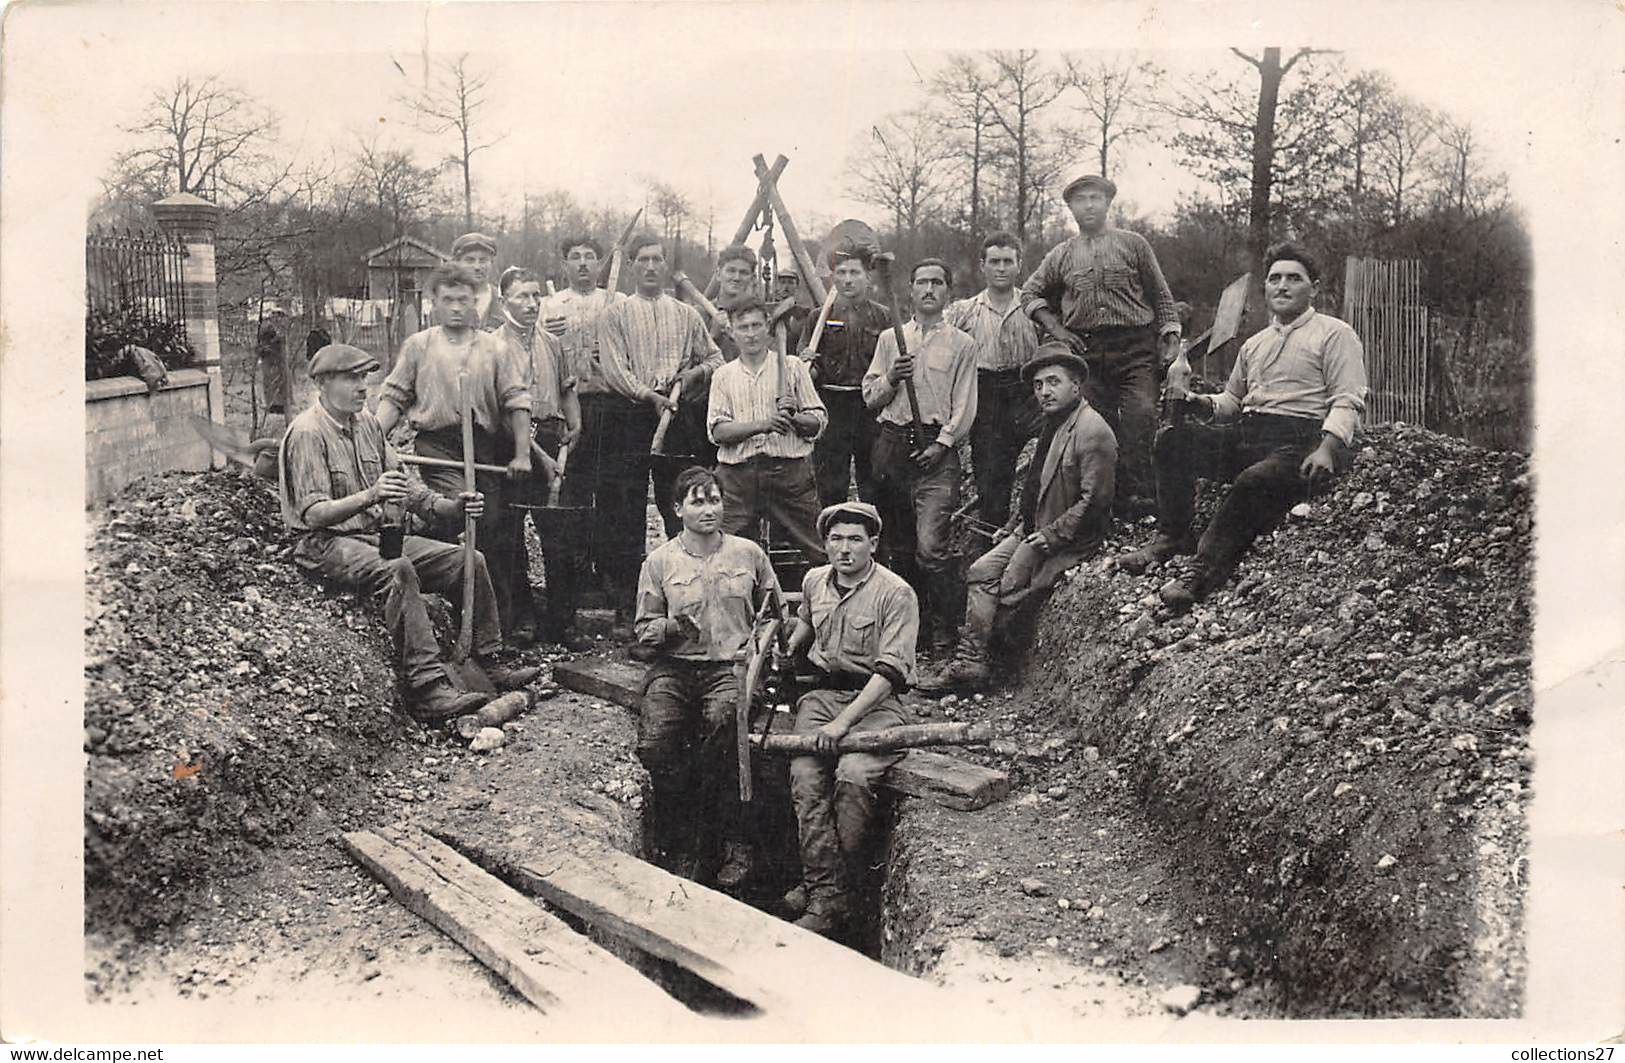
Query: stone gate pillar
(192, 223)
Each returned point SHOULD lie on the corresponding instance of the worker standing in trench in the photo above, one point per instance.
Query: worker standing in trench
(858, 622)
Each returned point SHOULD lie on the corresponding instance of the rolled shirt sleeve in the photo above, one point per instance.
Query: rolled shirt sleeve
(1155, 286)
(1040, 288)
(1344, 366)
(651, 625)
(400, 386)
(899, 623)
(962, 393)
(807, 400)
(307, 481)
(1227, 403)
(512, 372)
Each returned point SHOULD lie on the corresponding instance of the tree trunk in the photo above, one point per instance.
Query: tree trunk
(976, 181)
(468, 186)
(1258, 214)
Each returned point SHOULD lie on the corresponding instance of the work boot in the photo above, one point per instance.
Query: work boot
(437, 701)
(825, 915)
(968, 669)
(508, 676)
(1180, 594)
(794, 903)
(736, 864)
(1159, 549)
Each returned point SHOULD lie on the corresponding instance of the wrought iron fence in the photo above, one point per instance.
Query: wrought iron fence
(127, 270)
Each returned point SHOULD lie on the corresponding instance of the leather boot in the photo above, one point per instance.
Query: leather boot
(508, 676)
(438, 701)
(1161, 547)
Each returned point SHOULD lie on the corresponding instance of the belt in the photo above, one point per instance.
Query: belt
(839, 681)
(1117, 330)
(900, 429)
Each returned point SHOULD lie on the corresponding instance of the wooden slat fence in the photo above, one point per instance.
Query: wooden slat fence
(1382, 300)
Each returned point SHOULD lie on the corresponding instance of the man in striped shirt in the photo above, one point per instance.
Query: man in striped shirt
(1103, 293)
(1005, 341)
(918, 489)
(1299, 389)
(764, 427)
(649, 341)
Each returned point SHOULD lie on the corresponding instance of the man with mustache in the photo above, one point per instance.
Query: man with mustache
(1282, 429)
(1065, 512)
(1102, 292)
(918, 490)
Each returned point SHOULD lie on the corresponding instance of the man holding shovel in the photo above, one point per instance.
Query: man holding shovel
(697, 597)
(555, 417)
(335, 473)
(422, 389)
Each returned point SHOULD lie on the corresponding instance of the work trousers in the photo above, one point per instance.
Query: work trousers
(782, 490)
(834, 798)
(1006, 417)
(560, 562)
(610, 469)
(686, 742)
(1122, 386)
(424, 565)
(497, 528)
(915, 508)
(1259, 456)
(848, 440)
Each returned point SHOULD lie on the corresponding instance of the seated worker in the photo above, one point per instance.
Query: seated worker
(1066, 507)
(1299, 386)
(334, 473)
(764, 429)
(697, 597)
(858, 622)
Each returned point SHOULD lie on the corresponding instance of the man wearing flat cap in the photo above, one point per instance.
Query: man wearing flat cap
(1103, 294)
(788, 312)
(858, 622)
(1065, 510)
(335, 475)
(477, 253)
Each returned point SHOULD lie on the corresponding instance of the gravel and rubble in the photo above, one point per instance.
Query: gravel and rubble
(1334, 745)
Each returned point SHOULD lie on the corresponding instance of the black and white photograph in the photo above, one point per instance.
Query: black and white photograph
(722, 522)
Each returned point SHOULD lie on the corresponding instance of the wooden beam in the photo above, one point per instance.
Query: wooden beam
(763, 961)
(804, 262)
(556, 969)
(742, 233)
(934, 776)
(885, 739)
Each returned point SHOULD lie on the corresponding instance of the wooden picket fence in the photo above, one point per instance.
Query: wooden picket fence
(1382, 300)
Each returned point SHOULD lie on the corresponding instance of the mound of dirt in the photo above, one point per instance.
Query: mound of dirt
(1333, 748)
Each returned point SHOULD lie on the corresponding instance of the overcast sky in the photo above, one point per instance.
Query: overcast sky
(597, 98)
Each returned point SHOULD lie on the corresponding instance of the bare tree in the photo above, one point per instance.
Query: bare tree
(1368, 111)
(1022, 92)
(1114, 100)
(449, 99)
(964, 90)
(203, 136)
(1464, 183)
(1401, 150)
(900, 167)
(396, 186)
(672, 206)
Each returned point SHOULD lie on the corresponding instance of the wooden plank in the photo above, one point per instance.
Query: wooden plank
(763, 961)
(947, 781)
(558, 970)
(934, 776)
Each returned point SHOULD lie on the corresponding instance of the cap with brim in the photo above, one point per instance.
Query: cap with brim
(341, 358)
(1091, 180)
(470, 241)
(829, 514)
(1054, 354)
(787, 271)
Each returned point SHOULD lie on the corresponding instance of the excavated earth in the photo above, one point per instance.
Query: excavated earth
(1304, 799)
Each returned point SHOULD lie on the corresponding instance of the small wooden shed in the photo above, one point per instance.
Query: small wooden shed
(399, 271)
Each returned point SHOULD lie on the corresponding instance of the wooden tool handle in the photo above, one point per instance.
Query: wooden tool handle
(465, 633)
(818, 326)
(686, 287)
(659, 439)
(557, 485)
(902, 352)
(447, 463)
(884, 740)
(747, 691)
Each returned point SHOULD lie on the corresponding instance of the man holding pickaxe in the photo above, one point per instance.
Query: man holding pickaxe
(651, 344)
(922, 387)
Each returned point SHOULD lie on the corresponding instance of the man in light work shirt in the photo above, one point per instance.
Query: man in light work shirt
(697, 598)
(1299, 390)
(649, 341)
(335, 472)
(1005, 341)
(859, 623)
(422, 388)
(919, 489)
(555, 418)
(1103, 293)
(764, 428)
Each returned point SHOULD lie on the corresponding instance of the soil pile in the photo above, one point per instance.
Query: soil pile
(1333, 747)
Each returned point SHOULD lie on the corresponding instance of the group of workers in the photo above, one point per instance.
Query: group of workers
(785, 408)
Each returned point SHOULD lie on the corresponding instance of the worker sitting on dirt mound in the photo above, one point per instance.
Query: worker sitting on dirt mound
(1066, 507)
(697, 595)
(334, 472)
(858, 621)
(1299, 387)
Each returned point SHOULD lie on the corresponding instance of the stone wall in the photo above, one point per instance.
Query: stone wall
(130, 433)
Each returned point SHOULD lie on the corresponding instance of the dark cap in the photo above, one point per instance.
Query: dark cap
(470, 241)
(1091, 180)
(863, 510)
(1054, 352)
(341, 358)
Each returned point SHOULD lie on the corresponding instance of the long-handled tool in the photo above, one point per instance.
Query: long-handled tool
(447, 463)
(657, 445)
(916, 433)
(768, 631)
(461, 669)
(611, 276)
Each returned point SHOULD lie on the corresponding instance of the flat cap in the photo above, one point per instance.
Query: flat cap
(341, 358)
(1088, 180)
(787, 270)
(1054, 352)
(862, 510)
(471, 241)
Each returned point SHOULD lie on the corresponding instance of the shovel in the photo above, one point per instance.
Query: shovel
(464, 673)
(556, 523)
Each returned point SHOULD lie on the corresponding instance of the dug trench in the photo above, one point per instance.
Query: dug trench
(1304, 799)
